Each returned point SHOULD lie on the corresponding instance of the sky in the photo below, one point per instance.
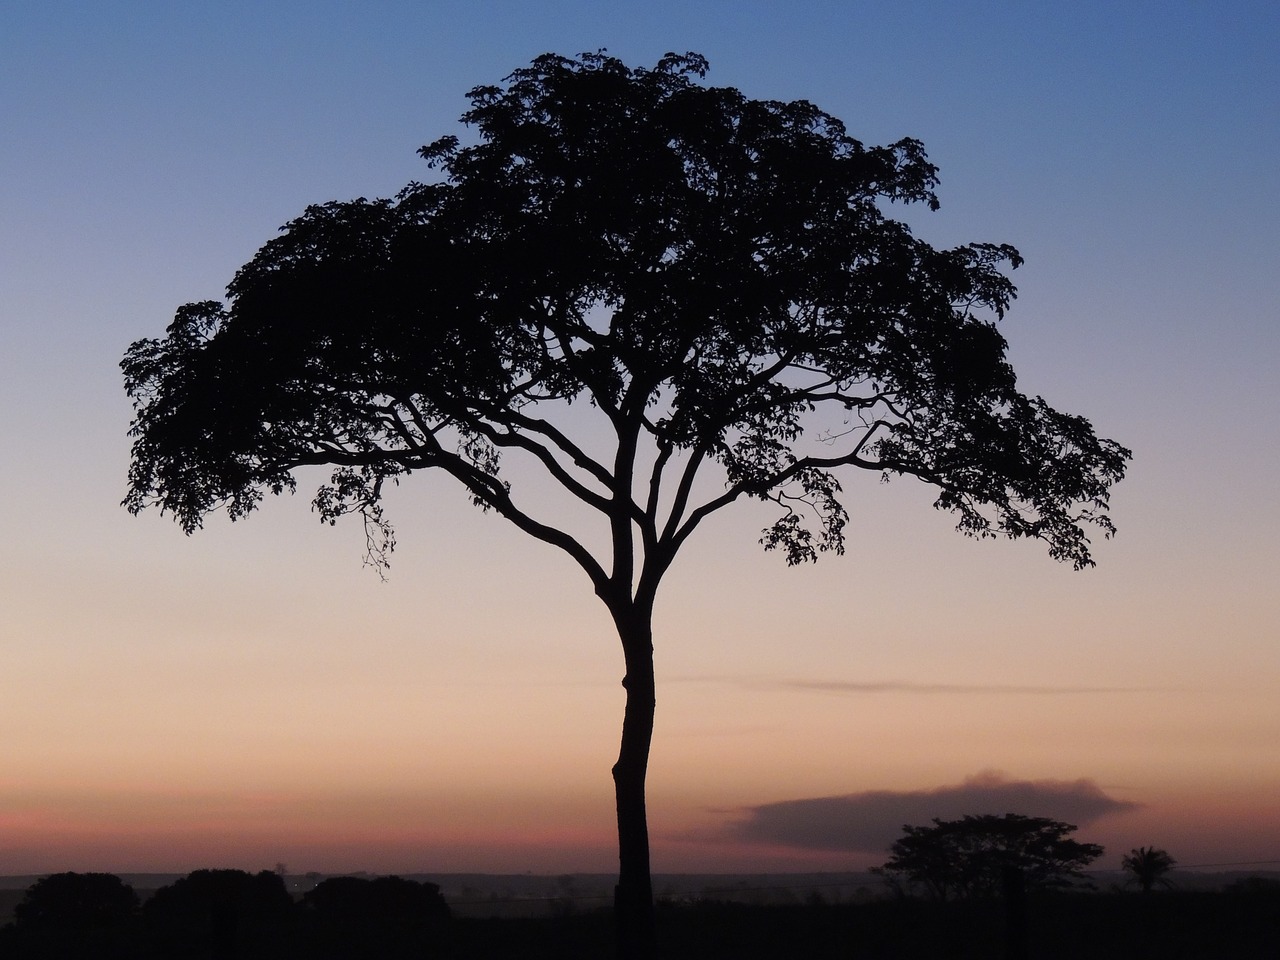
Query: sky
(253, 695)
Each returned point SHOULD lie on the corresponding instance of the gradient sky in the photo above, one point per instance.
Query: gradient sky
(252, 695)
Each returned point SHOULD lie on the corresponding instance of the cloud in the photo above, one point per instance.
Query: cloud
(902, 686)
(910, 687)
(871, 821)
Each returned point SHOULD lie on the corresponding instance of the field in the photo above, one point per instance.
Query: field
(1241, 921)
(1242, 925)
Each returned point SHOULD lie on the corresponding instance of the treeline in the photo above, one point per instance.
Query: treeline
(224, 914)
(227, 915)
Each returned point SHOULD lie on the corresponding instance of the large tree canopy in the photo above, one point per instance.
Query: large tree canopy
(970, 857)
(714, 277)
(708, 270)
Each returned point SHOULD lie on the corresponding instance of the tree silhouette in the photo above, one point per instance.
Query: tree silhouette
(73, 915)
(386, 917)
(975, 856)
(1148, 866)
(76, 901)
(711, 284)
(217, 911)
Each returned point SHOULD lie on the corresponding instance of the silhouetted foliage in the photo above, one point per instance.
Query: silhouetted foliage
(384, 917)
(710, 278)
(219, 912)
(77, 901)
(73, 915)
(980, 856)
(1148, 866)
(380, 898)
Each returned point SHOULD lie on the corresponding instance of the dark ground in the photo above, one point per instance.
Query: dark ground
(1162, 926)
(1241, 923)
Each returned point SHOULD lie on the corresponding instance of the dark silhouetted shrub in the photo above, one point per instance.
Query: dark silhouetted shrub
(220, 914)
(387, 917)
(77, 901)
(73, 915)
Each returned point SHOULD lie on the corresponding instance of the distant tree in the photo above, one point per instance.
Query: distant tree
(386, 917)
(76, 901)
(1147, 867)
(218, 911)
(69, 915)
(664, 297)
(345, 899)
(976, 855)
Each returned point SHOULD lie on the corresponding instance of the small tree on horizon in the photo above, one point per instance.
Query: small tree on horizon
(1147, 867)
(710, 279)
(76, 902)
(971, 857)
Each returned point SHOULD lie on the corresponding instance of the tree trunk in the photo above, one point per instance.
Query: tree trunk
(633, 896)
(1017, 943)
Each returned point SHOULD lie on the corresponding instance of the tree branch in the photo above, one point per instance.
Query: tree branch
(681, 499)
(492, 493)
(548, 460)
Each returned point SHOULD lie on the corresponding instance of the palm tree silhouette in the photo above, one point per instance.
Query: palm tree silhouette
(1148, 866)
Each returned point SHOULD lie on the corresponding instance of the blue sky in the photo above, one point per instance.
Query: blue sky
(1129, 152)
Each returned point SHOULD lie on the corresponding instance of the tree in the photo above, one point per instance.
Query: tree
(1148, 866)
(385, 917)
(217, 911)
(73, 915)
(710, 279)
(381, 899)
(973, 856)
(76, 901)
